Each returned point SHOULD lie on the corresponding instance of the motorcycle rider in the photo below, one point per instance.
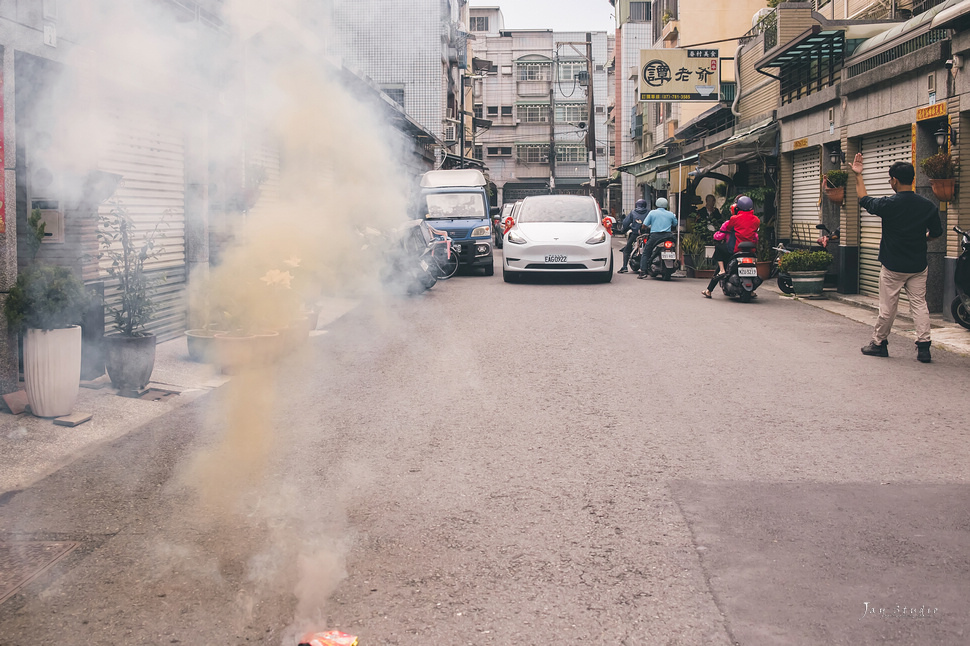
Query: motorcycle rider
(660, 221)
(743, 225)
(631, 224)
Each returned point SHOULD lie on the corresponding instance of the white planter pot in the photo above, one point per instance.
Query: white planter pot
(52, 370)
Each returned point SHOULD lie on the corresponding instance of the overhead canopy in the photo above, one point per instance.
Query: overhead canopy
(647, 165)
(760, 140)
(950, 14)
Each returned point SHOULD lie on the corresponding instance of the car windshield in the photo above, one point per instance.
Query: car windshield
(455, 205)
(556, 208)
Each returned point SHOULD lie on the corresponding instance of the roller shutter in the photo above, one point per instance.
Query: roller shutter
(806, 183)
(263, 173)
(147, 150)
(880, 151)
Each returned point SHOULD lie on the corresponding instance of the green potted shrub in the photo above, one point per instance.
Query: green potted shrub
(942, 170)
(807, 270)
(129, 299)
(834, 182)
(46, 304)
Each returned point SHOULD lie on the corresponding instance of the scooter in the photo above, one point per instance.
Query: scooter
(784, 280)
(741, 279)
(636, 251)
(960, 307)
(663, 258)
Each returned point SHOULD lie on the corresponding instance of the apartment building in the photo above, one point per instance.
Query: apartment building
(545, 95)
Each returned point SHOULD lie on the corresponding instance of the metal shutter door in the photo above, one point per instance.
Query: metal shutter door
(880, 152)
(806, 190)
(263, 173)
(147, 150)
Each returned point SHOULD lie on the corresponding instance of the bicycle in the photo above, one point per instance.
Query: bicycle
(444, 258)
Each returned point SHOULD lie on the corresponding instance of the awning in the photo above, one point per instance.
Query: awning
(645, 165)
(950, 14)
(832, 41)
(761, 140)
(686, 161)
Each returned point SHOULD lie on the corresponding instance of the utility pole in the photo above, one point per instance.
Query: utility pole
(591, 117)
(461, 118)
(552, 133)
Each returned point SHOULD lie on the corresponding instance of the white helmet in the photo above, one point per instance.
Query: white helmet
(662, 203)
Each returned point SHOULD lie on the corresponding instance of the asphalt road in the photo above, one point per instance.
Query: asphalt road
(538, 463)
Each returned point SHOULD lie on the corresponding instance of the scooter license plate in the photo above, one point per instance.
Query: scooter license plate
(424, 265)
(668, 255)
(747, 271)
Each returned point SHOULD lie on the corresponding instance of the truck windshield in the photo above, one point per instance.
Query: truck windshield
(442, 206)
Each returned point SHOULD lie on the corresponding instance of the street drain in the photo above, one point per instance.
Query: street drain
(149, 394)
(23, 561)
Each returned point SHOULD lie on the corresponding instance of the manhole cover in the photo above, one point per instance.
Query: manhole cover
(24, 561)
(158, 394)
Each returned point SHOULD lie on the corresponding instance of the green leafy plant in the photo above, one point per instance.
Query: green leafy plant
(939, 166)
(45, 297)
(36, 230)
(127, 253)
(667, 16)
(720, 189)
(766, 240)
(692, 244)
(804, 260)
(836, 178)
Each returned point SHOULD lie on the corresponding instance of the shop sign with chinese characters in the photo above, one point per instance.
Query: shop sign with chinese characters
(679, 75)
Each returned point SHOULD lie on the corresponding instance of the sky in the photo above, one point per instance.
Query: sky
(558, 15)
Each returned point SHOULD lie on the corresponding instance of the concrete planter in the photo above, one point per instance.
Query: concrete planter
(52, 370)
(807, 283)
(129, 360)
(200, 344)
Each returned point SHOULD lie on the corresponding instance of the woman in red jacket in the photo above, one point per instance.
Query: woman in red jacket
(742, 227)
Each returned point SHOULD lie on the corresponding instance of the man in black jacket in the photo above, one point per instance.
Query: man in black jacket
(908, 221)
(632, 224)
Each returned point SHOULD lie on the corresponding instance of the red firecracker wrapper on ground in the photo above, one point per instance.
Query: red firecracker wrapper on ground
(329, 638)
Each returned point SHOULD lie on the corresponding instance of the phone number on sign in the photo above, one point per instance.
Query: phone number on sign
(674, 97)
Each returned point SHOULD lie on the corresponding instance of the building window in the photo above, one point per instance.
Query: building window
(569, 69)
(532, 153)
(500, 151)
(492, 110)
(538, 113)
(479, 23)
(639, 12)
(533, 71)
(477, 110)
(570, 112)
(506, 111)
(571, 154)
(477, 152)
(396, 94)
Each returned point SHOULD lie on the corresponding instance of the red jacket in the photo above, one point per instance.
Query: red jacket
(745, 227)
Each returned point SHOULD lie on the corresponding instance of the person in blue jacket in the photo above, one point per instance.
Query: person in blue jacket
(631, 224)
(661, 222)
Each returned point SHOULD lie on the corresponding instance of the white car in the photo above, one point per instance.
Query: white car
(558, 233)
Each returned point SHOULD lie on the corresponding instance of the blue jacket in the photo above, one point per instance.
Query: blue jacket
(630, 222)
(660, 221)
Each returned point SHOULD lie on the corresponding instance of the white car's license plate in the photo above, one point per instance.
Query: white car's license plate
(668, 255)
(747, 271)
(555, 258)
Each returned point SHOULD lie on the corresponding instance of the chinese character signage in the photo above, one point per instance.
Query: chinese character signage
(679, 75)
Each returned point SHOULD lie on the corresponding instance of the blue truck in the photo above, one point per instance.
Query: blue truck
(456, 201)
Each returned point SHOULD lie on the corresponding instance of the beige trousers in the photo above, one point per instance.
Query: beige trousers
(890, 284)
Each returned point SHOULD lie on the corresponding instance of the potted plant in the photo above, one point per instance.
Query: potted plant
(942, 170)
(834, 182)
(692, 246)
(46, 304)
(807, 270)
(130, 350)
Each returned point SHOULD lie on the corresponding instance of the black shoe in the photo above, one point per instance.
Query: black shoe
(622, 270)
(877, 350)
(923, 351)
(641, 275)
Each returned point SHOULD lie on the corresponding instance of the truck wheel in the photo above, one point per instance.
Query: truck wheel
(489, 270)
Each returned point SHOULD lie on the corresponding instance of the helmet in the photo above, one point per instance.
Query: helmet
(662, 203)
(745, 204)
(641, 204)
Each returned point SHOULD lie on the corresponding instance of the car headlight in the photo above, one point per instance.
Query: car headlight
(597, 238)
(515, 238)
(478, 232)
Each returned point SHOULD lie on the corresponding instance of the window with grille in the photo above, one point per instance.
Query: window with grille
(534, 113)
(568, 70)
(640, 11)
(500, 151)
(570, 112)
(533, 71)
(395, 93)
(479, 23)
(478, 110)
(571, 154)
(492, 110)
(478, 153)
(506, 111)
(533, 153)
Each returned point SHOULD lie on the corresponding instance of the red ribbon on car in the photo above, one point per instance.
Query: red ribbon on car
(509, 223)
(608, 224)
